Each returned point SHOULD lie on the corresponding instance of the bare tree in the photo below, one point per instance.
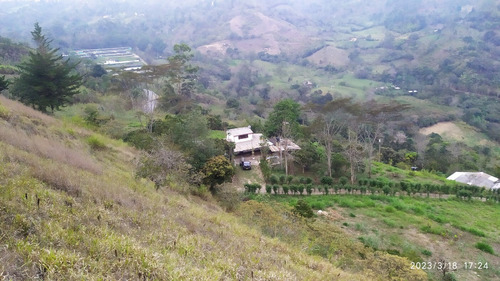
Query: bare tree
(284, 141)
(159, 164)
(354, 150)
(373, 119)
(332, 120)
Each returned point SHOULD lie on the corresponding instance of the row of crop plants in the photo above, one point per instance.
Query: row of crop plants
(326, 185)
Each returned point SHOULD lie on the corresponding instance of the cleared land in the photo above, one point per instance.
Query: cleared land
(122, 58)
(458, 132)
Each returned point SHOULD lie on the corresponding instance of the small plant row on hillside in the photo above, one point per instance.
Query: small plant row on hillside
(290, 185)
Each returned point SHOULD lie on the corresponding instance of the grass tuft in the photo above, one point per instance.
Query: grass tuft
(95, 143)
(485, 247)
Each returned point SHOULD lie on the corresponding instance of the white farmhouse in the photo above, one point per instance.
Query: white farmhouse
(245, 139)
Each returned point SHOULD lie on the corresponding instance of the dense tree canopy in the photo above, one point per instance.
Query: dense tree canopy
(217, 170)
(286, 110)
(46, 81)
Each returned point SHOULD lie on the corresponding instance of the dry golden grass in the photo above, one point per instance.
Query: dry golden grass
(48, 147)
(22, 110)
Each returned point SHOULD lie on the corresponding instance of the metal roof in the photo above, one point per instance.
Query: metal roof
(475, 178)
(252, 144)
(239, 131)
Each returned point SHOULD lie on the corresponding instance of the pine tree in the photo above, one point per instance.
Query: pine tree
(46, 80)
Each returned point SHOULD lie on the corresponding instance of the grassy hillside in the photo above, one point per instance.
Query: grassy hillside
(72, 209)
(421, 229)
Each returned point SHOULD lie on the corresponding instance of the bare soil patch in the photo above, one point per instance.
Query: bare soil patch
(449, 129)
(330, 56)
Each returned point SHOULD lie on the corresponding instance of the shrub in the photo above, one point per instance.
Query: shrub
(140, 139)
(286, 188)
(309, 189)
(450, 277)
(389, 222)
(343, 180)
(228, 198)
(276, 188)
(303, 209)
(265, 169)
(4, 112)
(390, 209)
(427, 253)
(318, 205)
(485, 247)
(95, 143)
(273, 179)
(326, 181)
(269, 189)
(301, 188)
(282, 179)
(370, 241)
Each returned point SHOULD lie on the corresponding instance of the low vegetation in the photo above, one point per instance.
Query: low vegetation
(418, 228)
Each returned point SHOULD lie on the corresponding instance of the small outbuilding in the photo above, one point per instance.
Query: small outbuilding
(476, 178)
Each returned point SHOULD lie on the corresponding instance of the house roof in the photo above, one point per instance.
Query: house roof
(239, 131)
(277, 146)
(475, 178)
(254, 143)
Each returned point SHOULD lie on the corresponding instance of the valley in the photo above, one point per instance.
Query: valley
(119, 158)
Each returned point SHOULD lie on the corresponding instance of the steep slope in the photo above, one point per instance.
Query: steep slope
(71, 208)
(70, 211)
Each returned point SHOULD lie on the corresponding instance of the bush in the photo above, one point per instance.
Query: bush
(427, 253)
(390, 209)
(485, 247)
(140, 139)
(318, 205)
(95, 143)
(326, 181)
(343, 180)
(273, 179)
(303, 209)
(276, 188)
(269, 189)
(450, 277)
(228, 198)
(309, 189)
(4, 112)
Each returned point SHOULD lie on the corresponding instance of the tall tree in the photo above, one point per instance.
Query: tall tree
(353, 150)
(307, 155)
(181, 74)
(286, 110)
(217, 170)
(332, 120)
(374, 118)
(46, 80)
